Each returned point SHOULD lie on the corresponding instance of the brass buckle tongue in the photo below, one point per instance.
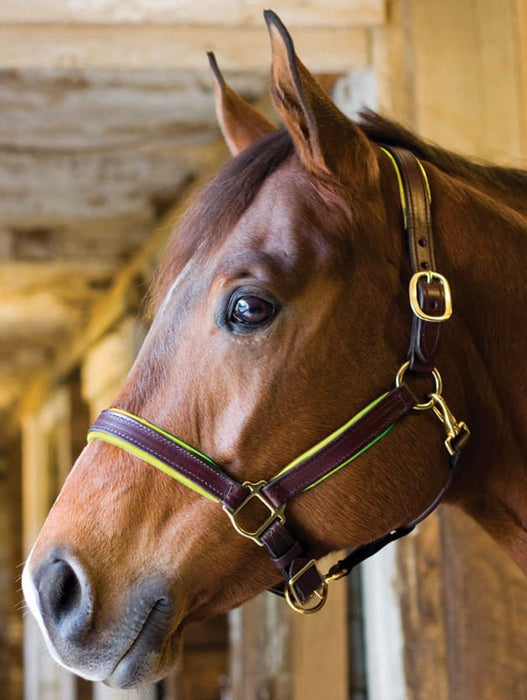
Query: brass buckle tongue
(274, 513)
(315, 601)
(414, 298)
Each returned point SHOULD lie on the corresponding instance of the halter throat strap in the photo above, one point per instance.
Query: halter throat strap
(305, 588)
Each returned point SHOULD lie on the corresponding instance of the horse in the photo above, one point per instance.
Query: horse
(280, 310)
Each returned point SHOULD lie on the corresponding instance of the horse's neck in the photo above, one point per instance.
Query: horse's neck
(485, 242)
(483, 246)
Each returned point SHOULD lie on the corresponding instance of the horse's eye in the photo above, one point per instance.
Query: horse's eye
(250, 311)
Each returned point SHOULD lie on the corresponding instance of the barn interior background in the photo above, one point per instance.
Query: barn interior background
(106, 124)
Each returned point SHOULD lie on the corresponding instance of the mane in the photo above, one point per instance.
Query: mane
(501, 181)
(219, 205)
(222, 201)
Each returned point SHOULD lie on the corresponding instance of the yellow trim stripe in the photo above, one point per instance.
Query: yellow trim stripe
(150, 459)
(159, 464)
(400, 183)
(166, 434)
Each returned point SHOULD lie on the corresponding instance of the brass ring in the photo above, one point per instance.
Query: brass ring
(310, 605)
(438, 386)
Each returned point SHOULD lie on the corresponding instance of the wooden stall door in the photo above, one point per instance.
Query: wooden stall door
(456, 72)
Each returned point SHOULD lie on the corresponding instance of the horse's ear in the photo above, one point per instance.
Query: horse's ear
(240, 123)
(325, 139)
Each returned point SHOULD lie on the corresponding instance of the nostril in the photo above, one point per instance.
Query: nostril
(59, 590)
(64, 594)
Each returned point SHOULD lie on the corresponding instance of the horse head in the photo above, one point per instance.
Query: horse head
(280, 311)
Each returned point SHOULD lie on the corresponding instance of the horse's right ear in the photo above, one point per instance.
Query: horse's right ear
(325, 139)
(240, 123)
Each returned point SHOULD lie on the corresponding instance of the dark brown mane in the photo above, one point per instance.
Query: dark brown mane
(503, 181)
(228, 194)
(220, 204)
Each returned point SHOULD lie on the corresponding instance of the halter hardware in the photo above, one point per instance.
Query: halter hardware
(425, 405)
(430, 276)
(457, 432)
(315, 602)
(255, 493)
(304, 588)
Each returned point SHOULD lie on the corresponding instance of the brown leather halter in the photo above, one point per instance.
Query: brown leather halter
(305, 589)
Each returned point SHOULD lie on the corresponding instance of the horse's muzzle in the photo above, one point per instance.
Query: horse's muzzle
(120, 646)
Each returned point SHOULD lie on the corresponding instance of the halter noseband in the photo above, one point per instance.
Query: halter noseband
(304, 588)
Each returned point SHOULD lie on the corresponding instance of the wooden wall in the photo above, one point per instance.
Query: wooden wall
(455, 70)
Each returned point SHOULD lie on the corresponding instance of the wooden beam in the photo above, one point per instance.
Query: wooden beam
(298, 13)
(138, 46)
(112, 307)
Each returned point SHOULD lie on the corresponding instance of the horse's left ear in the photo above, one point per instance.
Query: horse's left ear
(240, 123)
(325, 139)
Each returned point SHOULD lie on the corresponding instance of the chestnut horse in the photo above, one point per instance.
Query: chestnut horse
(281, 310)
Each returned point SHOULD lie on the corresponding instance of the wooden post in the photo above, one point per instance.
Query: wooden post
(260, 646)
(320, 648)
(278, 654)
(46, 459)
(107, 363)
(11, 632)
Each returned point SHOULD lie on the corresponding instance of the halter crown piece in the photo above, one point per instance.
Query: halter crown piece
(304, 587)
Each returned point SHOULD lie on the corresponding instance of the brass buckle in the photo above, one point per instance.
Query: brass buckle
(414, 299)
(317, 599)
(275, 513)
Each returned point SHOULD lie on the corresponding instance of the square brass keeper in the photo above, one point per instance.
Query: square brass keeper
(274, 513)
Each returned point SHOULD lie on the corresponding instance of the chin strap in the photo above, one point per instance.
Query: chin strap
(265, 502)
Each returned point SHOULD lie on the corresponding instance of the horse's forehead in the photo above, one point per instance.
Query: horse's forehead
(284, 194)
(280, 220)
(277, 230)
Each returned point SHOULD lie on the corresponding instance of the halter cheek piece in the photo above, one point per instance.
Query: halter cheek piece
(304, 588)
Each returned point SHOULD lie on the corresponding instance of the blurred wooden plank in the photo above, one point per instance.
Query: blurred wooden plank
(299, 13)
(464, 612)
(133, 46)
(320, 647)
(423, 612)
(466, 76)
(260, 649)
(485, 600)
(521, 37)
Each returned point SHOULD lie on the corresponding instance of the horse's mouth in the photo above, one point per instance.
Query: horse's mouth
(142, 660)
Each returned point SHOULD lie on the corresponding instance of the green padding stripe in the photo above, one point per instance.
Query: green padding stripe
(364, 449)
(147, 457)
(323, 443)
